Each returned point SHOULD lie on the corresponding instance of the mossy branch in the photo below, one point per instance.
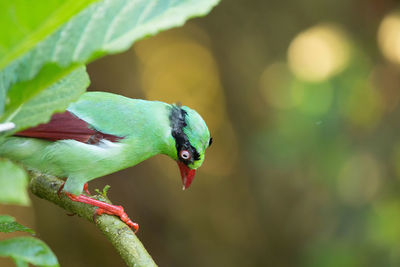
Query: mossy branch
(120, 235)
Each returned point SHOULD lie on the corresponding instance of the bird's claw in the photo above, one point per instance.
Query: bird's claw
(104, 207)
(117, 211)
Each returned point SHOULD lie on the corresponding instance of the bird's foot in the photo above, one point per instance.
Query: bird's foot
(105, 208)
(118, 211)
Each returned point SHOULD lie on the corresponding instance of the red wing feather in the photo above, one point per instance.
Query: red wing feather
(64, 126)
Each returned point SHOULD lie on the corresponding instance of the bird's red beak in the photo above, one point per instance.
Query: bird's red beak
(187, 174)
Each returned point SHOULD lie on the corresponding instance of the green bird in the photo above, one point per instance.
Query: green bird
(103, 133)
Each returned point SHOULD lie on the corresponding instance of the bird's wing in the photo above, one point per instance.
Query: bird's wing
(111, 116)
(108, 113)
(65, 126)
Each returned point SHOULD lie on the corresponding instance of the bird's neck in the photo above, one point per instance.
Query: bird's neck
(154, 134)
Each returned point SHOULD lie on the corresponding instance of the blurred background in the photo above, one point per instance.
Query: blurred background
(302, 100)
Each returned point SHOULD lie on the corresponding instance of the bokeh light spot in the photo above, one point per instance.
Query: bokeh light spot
(318, 53)
(389, 37)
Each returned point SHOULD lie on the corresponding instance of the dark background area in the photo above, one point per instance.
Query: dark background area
(301, 98)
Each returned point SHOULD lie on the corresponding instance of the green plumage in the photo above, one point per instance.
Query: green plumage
(144, 125)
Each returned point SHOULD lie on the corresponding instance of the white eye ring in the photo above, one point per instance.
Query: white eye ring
(184, 154)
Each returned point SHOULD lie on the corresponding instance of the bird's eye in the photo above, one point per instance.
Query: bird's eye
(184, 154)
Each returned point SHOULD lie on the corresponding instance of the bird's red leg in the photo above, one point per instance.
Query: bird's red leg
(105, 208)
(86, 188)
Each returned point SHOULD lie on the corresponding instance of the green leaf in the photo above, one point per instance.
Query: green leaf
(9, 225)
(102, 28)
(55, 98)
(13, 184)
(28, 249)
(24, 91)
(24, 23)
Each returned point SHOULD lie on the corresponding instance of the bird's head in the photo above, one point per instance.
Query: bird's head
(191, 139)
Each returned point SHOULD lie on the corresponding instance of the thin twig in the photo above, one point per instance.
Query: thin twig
(121, 236)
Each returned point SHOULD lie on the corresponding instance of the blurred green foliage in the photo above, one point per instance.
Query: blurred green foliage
(13, 191)
(24, 250)
(9, 225)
